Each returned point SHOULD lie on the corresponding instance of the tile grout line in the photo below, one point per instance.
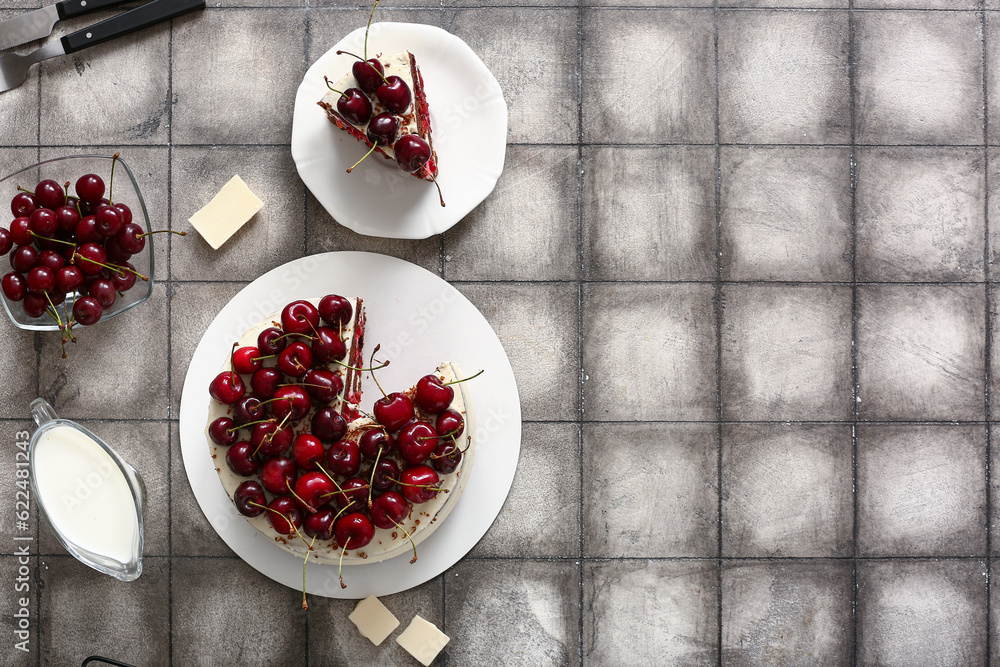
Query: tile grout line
(717, 307)
(168, 292)
(855, 389)
(987, 325)
(581, 396)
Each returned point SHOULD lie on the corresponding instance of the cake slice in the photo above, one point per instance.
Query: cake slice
(415, 119)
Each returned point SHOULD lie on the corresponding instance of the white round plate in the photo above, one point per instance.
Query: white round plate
(420, 320)
(468, 124)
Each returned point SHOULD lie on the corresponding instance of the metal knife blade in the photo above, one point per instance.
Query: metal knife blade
(28, 27)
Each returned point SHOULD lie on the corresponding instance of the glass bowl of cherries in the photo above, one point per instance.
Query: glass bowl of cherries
(78, 245)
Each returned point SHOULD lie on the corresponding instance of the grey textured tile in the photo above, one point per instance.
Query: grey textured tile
(994, 360)
(243, 92)
(494, 243)
(650, 613)
(334, 640)
(192, 308)
(204, 595)
(921, 490)
(20, 610)
(795, 613)
(327, 27)
(644, 372)
(650, 490)
(920, 352)
(324, 234)
(786, 213)
(783, 77)
(992, 79)
(10, 8)
(143, 445)
(920, 214)
(535, 603)
(786, 352)
(191, 533)
(541, 516)
(917, 4)
(928, 613)
(150, 166)
(87, 613)
(16, 495)
(533, 54)
(535, 323)
(84, 94)
(919, 78)
(275, 235)
(993, 202)
(786, 490)
(797, 4)
(129, 383)
(647, 3)
(616, 83)
(19, 109)
(649, 213)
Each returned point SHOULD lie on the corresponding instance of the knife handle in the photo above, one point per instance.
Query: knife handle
(130, 21)
(67, 9)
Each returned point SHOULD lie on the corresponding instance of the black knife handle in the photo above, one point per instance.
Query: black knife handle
(130, 21)
(67, 9)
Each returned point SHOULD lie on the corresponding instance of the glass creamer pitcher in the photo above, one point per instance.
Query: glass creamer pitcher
(90, 497)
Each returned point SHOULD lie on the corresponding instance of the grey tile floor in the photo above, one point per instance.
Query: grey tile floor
(741, 258)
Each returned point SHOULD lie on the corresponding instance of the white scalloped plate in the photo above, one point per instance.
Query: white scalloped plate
(469, 130)
(420, 320)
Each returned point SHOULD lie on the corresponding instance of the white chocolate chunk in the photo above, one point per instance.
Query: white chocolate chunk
(226, 213)
(423, 640)
(374, 621)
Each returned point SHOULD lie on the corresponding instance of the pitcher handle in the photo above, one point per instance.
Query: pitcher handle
(42, 411)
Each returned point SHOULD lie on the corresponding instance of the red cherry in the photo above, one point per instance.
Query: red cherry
(245, 360)
(412, 152)
(241, 460)
(416, 442)
(249, 498)
(355, 495)
(90, 188)
(43, 222)
(51, 259)
(369, 74)
(248, 409)
(354, 531)
(307, 451)
(90, 258)
(299, 317)
(220, 434)
(285, 509)
(446, 458)
(343, 458)
(327, 345)
(335, 310)
(373, 441)
(69, 278)
(354, 106)
(394, 411)
(291, 400)
(394, 94)
(103, 290)
(6, 242)
(269, 440)
(15, 287)
(389, 509)
(86, 230)
(86, 310)
(320, 524)
(68, 218)
(227, 387)
(418, 482)
(384, 474)
(271, 341)
(315, 489)
(450, 423)
(265, 381)
(23, 203)
(433, 396)
(20, 232)
(323, 386)
(328, 425)
(24, 259)
(295, 360)
(278, 474)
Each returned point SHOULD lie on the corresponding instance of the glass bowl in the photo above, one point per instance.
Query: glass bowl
(125, 190)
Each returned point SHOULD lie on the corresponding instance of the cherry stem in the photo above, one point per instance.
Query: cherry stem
(445, 384)
(328, 85)
(55, 314)
(161, 231)
(365, 60)
(305, 605)
(414, 544)
(232, 371)
(340, 566)
(269, 420)
(434, 181)
(111, 183)
(355, 368)
(429, 487)
(270, 436)
(294, 333)
(351, 168)
(329, 477)
(112, 267)
(25, 190)
(368, 27)
(287, 519)
(371, 361)
(46, 238)
(371, 484)
(288, 485)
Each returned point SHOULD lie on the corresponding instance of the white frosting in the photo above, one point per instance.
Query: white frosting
(399, 65)
(423, 519)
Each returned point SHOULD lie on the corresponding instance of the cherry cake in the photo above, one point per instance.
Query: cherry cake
(292, 445)
(414, 119)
